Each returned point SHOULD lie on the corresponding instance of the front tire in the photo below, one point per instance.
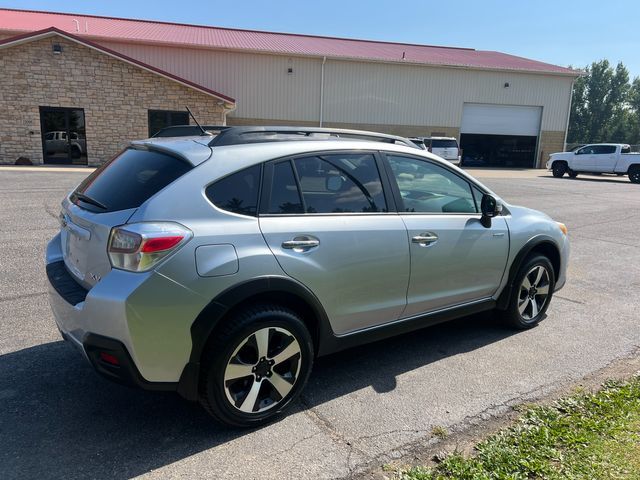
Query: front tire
(255, 366)
(559, 169)
(531, 295)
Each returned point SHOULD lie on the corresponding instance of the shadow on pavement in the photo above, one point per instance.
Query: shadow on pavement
(592, 178)
(58, 419)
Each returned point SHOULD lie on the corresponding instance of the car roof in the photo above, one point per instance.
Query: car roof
(217, 162)
(195, 149)
(606, 144)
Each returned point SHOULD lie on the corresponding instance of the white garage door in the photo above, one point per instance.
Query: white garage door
(500, 119)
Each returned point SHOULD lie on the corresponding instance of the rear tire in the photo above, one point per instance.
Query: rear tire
(255, 365)
(634, 174)
(559, 169)
(531, 295)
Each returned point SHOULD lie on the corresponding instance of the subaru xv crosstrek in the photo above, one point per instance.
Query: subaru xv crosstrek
(220, 266)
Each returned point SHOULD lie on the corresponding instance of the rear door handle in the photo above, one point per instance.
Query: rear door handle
(425, 239)
(301, 244)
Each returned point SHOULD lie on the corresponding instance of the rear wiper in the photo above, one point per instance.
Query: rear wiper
(88, 199)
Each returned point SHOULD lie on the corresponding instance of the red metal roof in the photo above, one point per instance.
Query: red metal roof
(30, 36)
(144, 31)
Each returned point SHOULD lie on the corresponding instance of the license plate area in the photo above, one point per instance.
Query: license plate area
(75, 241)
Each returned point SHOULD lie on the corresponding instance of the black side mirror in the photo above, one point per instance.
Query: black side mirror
(490, 207)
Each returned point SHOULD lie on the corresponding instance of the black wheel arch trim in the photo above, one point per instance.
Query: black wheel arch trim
(222, 304)
(538, 240)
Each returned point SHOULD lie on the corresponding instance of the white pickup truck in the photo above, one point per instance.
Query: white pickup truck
(597, 158)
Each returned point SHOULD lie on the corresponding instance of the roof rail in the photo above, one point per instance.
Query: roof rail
(263, 134)
(187, 130)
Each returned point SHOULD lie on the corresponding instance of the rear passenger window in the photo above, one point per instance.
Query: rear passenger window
(285, 197)
(237, 193)
(340, 183)
(604, 149)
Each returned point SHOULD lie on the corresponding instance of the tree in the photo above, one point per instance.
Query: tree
(634, 111)
(600, 108)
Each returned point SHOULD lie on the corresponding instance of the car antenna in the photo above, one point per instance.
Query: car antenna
(204, 132)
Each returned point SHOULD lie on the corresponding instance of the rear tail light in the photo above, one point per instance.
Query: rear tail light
(138, 247)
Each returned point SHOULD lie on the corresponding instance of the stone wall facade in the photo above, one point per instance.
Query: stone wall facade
(550, 142)
(114, 94)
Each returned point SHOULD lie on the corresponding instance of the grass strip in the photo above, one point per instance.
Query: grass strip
(584, 436)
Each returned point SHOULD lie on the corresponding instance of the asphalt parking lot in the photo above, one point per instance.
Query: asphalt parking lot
(362, 407)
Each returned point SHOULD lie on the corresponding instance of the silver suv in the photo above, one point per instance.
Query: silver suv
(221, 266)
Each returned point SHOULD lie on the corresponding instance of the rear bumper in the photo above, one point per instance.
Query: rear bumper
(67, 299)
(143, 319)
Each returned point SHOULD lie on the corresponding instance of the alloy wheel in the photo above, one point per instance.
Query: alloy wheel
(262, 370)
(534, 292)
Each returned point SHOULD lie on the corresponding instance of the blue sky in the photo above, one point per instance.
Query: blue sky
(563, 32)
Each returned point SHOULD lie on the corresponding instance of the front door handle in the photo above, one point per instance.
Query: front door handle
(425, 239)
(301, 244)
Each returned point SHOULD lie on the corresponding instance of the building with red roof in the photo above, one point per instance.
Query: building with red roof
(503, 109)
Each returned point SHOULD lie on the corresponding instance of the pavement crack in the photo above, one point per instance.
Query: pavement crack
(624, 244)
(47, 209)
(326, 426)
(24, 295)
(568, 299)
(295, 444)
(605, 222)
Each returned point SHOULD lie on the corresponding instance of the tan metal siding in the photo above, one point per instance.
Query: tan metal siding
(355, 92)
(415, 95)
(259, 83)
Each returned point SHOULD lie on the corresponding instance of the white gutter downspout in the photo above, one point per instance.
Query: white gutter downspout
(324, 60)
(566, 130)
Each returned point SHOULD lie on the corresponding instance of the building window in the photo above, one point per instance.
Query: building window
(158, 119)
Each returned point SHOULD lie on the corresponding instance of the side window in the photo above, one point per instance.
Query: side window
(477, 196)
(340, 183)
(603, 149)
(625, 149)
(429, 188)
(285, 197)
(237, 193)
(588, 150)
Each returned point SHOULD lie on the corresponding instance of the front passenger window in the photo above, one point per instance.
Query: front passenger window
(429, 188)
(340, 183)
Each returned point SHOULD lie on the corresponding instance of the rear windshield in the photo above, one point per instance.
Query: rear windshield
(444, 144)
(128, 180)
